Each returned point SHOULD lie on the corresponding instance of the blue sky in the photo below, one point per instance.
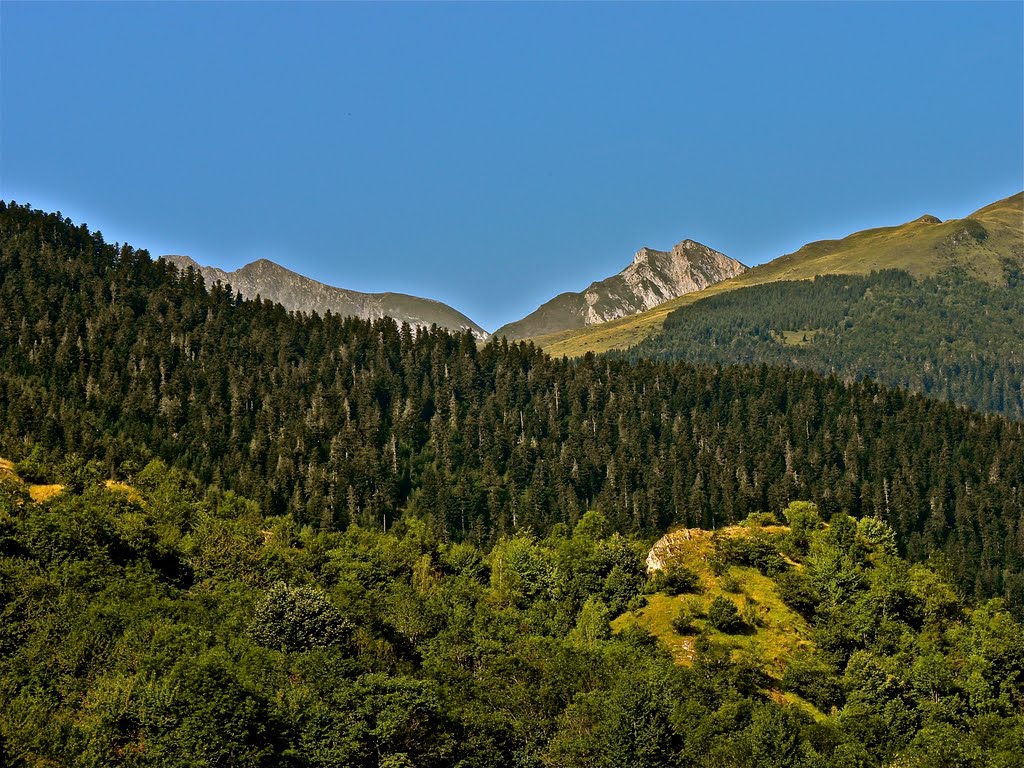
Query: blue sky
(493, 155)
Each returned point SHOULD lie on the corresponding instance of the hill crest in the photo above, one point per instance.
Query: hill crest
(296, 292)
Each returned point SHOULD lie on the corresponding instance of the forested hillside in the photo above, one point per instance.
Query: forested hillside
(109, 355)
(949, 336)
(161, 624)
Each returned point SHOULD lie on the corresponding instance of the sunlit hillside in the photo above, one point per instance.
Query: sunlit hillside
(923, 247)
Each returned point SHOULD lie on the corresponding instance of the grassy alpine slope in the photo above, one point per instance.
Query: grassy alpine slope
(924, 247)
(767, 629)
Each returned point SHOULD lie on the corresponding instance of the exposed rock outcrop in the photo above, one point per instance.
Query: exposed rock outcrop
(652, 278)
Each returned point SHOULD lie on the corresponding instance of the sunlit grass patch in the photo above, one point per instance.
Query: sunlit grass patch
(40, 493)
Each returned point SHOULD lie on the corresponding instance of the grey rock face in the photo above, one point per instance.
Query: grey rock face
(295, 292)
(652, 278)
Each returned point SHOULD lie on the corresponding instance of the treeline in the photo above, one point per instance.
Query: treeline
(951, 336)
(165, 624)
(335, 421)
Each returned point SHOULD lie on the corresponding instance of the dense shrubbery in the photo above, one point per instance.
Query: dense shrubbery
(682, 622)
(297, 619)
(290, 647)
(181, 627)
(674, 580)
(797, 591)
(814, 680)
(758, 551)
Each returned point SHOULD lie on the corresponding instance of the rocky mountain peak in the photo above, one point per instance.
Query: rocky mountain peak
(265, 264)
(651, 278)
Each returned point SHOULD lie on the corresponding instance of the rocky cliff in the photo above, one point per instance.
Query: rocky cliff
(652, 278)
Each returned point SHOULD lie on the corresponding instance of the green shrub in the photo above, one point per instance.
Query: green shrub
(31, 469)
(757, 551)
(797, 591)
(680, 580)
(297, 619)
(620, 587)
(751, 613)
(804, 519)
(682, 622)
(637, 602)
(814, 680)
(657, 581)
(724, 616)
(730, 584)
(876, 536)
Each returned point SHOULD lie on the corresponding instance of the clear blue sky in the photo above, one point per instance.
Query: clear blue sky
(493, 155)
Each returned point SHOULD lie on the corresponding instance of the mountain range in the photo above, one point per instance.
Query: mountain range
(979, 244)
(652, 278)
(623, 310)
(302, 294)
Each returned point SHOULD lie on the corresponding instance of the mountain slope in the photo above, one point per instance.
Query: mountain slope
(652, 278)
(302, 294)
(117, 358)
(950, 336)
(924, 247)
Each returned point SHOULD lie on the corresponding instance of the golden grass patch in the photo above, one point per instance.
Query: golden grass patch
(41, 493)
(118, 487)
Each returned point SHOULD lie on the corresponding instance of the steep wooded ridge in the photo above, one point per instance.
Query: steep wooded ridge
(340, 421)
(296, 292)
(651, 279)
(979, 245)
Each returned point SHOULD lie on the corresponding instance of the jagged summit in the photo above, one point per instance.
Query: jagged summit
(651, 278)
(643, 253)
(270, 280)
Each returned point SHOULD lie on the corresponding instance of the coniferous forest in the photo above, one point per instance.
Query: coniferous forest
(951, 336)
(347, 542)
(120, 359)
